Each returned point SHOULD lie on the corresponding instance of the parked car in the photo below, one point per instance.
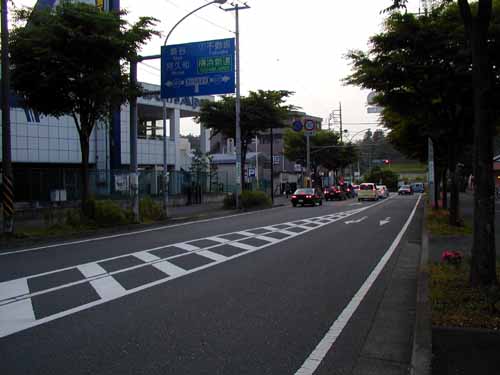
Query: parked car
(334, 193)
(307, 196)
(405, 190)
(417, 187)
(383, 192)
(367, 190)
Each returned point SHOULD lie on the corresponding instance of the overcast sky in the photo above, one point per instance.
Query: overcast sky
(294, 45)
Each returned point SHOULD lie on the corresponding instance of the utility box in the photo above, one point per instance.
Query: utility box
(58, 195)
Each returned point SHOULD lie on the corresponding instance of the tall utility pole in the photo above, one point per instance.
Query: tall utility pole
(239, 172)
(336, 117)
(134, 176)
(272, 164)
(7, 180)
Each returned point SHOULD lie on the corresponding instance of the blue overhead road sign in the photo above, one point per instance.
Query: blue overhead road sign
(197, 69)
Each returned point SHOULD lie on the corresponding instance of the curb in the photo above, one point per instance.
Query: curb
(422, 334)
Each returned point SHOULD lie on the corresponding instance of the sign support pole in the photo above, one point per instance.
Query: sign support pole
(7, 180)
(308, 161)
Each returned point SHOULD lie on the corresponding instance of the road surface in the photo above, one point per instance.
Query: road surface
(280, 291)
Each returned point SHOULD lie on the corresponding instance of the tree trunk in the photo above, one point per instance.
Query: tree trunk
(84, 146)
(483, 262)
(444, 190)
(454, 216)
(437, 177)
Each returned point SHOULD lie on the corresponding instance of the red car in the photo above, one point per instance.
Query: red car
(335, 193)
(307, 196)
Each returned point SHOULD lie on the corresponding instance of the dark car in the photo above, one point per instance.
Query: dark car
(335, 193)
(307, 196)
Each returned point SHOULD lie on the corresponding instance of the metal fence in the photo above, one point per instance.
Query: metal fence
(48, 184)
(33, 184)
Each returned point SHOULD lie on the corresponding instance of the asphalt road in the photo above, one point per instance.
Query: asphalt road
(278, 291)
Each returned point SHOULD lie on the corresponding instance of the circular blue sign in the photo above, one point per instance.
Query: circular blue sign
(297, 125)
(309, 125)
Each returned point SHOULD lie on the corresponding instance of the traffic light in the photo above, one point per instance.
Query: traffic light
(387, 161)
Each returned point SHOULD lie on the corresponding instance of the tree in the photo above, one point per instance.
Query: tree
(260, 111)
(477, 20)
(383, 177)
(326, 150)
(71, 61)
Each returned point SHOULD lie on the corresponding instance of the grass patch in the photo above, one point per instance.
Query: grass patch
(456, 304)
(437, 224)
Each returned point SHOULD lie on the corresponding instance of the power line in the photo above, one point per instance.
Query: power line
(201, 17)
(150, 66)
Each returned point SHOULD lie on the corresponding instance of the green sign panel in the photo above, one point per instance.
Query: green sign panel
(208, 65)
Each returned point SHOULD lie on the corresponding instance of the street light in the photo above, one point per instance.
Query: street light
(165, 141)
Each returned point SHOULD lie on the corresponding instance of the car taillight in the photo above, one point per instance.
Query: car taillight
(308, 196)
(326, 191)
(294, 196)
(348, 190)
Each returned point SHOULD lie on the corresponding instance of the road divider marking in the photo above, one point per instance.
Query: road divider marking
(387, 220)
(357, 221)
(16, 296)
(312, 362)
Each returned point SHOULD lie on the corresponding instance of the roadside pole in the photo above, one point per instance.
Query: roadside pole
(239, 172)
(134, 176)
(308, 160)
(7, 179)
(272, 165)
(165, 163)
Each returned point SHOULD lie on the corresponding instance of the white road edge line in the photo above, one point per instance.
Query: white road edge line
(312, 362)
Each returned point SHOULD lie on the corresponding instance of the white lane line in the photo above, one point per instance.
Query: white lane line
(16, 316)
(169, 268)
(217, 239)
(108, 288)
(146, 256)
(211, 255)
(267, 239)
(13, 288)
(91, 270)
(246, 234)
(316, 357)
(186, 246)
(243, 246)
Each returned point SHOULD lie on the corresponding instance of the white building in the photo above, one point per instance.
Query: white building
(50, 145)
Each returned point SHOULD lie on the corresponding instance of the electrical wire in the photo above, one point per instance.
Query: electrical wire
(200, 17)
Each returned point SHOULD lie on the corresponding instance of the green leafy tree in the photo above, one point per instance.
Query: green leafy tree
(477, 19)
(71, 60)
(326, 150)
(383, 177)
(260, 111)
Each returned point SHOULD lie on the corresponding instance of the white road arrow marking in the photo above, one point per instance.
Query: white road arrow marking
(356, 221)
(356, 204)
(385, 221)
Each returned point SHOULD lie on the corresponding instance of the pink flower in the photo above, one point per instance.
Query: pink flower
(452, 256)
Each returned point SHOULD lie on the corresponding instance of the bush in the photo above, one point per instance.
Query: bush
(254, 199)
(149, 209)
(229, 201)
(106, 213)
(74, 218)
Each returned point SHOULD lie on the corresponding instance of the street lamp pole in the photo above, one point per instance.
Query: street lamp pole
(165, 140)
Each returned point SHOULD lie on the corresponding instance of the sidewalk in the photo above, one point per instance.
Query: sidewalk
(464, 350)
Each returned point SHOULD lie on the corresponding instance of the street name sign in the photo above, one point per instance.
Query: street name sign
(197, 69)
(297, 125)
